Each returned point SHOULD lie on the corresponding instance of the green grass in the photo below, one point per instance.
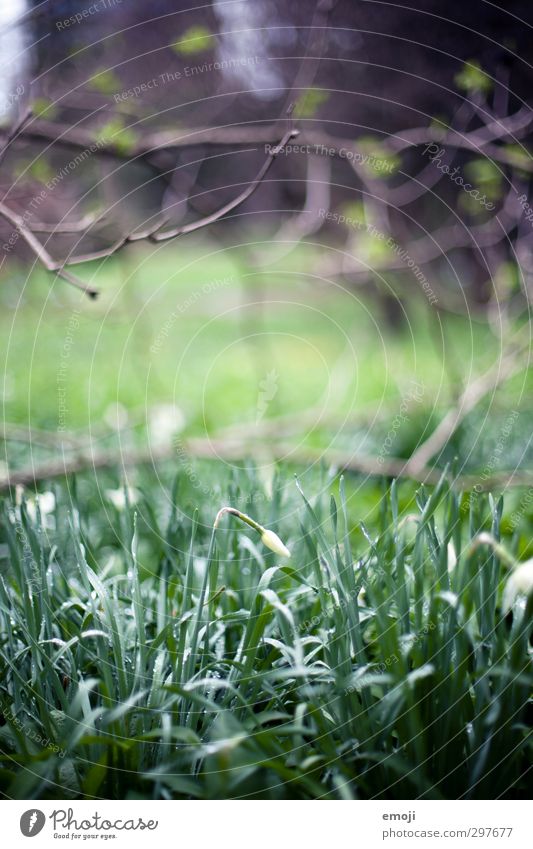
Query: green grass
(202, 327)
(157, 658)
(143, 656)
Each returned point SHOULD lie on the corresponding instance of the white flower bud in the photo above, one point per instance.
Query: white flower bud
(117, 497)
(519, 582)
(268, 538)
(272, 541)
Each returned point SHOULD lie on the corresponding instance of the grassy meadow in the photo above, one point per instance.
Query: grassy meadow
(148, 655)
(144, 654)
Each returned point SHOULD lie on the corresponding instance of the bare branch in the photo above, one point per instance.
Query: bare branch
(35, 436)
(232, 204)
(65, 226)
(15, 130)
(154, 233)
(41, 253)
(476, 140)
(234, 451)
(80, 137)
(477, 389)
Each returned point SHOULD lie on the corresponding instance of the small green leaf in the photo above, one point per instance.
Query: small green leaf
(43, 108)
(194, 40)
(486, 177)
(375, 158)
(519, 157)
(308, 103)
(39, 169)
(114, 132)
(473, 79)
(106, 82)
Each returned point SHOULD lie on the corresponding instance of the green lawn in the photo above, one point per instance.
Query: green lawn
(197, 327)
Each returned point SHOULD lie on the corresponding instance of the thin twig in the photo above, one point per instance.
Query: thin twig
(14, 132)
(65, 226)
(470, 397)
(154, 233)
(41, 253)
(232, 204)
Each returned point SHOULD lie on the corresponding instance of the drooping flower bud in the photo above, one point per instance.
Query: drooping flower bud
(268, 538)
(272, 541)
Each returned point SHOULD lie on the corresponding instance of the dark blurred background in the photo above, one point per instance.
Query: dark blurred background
(361, 72)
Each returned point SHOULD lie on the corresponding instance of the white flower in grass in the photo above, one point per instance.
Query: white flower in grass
(117, 497)
(268, 537)
(452, 557)
(519, 583)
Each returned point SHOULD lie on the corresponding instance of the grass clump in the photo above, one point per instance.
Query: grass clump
(144, 653)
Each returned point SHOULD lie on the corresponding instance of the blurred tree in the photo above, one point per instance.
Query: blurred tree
(142, 115)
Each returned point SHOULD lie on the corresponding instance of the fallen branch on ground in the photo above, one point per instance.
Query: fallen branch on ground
(234, 451)
(501, 371)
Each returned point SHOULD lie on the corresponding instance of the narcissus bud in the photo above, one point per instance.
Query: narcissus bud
(268, 538)
(272, 541)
